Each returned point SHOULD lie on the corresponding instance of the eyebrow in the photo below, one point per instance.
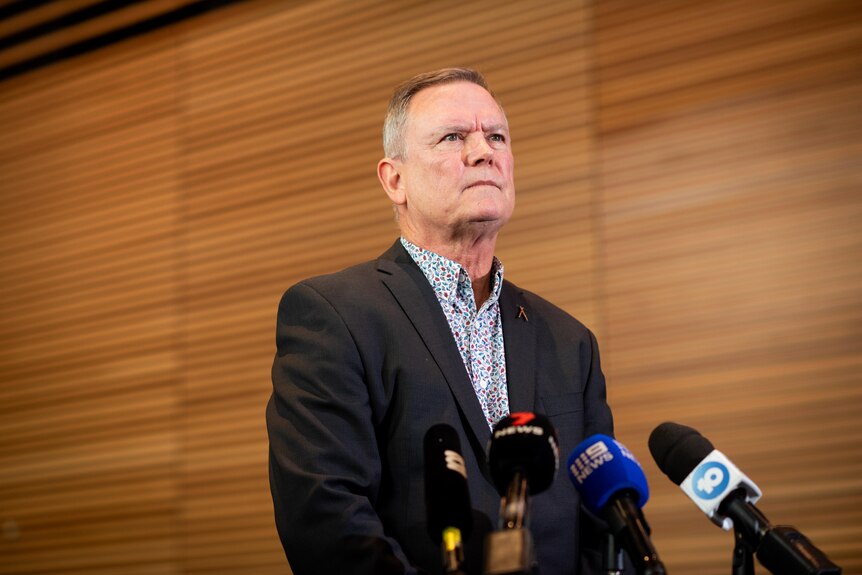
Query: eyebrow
(452, 128)
(496, 128)
(465, 128)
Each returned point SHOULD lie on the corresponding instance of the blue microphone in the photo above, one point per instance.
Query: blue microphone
(613, 486)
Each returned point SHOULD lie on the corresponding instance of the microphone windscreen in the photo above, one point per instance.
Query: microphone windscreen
(678, 449)
(600, 467)
(525, 442)
(447, 495)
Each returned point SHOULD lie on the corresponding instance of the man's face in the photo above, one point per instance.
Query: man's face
(457, 173)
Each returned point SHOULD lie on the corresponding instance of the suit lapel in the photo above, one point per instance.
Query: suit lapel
(416, 297)
(519, 337)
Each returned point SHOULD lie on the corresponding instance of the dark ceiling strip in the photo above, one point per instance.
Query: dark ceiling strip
(19, 7)
(64, 21)
(112, 37)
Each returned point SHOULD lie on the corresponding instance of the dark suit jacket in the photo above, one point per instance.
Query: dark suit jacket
(365, 364)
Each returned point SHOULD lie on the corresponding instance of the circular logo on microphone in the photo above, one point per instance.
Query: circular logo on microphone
(710, 480)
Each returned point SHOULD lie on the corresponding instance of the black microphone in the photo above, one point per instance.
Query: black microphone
(447, 495)
(523, 457)
(727, 496)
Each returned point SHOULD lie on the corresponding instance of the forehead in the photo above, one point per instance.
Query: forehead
(454, 103)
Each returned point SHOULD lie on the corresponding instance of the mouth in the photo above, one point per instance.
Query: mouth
(483, 183)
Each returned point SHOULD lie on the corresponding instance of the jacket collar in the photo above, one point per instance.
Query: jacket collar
(416, 297)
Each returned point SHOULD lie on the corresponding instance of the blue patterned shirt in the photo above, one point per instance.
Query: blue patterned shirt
(478, 333)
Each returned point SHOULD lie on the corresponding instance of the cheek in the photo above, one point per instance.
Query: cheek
(443, 181)
(443, 169)
(507, 165)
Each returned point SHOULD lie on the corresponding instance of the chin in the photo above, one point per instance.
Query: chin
(495, 215)
(492, 209)
(489, 221)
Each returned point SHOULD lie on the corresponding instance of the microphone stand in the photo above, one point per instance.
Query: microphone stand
(509, 551)
(781, 549)
(743, 559)
(612, 555)
(626, 521)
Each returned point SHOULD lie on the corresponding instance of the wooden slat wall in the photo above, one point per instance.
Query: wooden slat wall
(731, 169)
(687, 175)
(90, 359)
(35, 34)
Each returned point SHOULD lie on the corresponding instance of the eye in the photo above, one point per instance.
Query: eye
(453, 137)
(497, 138)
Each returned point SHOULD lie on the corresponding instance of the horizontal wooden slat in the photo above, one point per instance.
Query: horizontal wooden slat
(687, 177)
(34, 16)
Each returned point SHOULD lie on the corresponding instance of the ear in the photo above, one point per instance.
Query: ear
(388, 172)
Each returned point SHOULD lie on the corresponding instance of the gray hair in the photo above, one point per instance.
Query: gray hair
(396, 113)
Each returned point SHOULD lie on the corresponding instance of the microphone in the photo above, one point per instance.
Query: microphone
(613, 486)
(679, 450)
(447, 495)
(523, 457)
(727, 496)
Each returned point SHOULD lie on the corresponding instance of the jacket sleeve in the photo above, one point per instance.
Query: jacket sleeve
(324, 464)
(598, 420)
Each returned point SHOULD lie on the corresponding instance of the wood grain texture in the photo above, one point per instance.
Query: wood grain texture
(730, 157)
(688, 180)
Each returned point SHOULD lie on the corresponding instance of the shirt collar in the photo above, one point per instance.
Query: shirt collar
(444, 274)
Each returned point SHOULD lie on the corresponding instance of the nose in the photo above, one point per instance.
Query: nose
(477, 150)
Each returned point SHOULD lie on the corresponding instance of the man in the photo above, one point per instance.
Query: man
(371, 357)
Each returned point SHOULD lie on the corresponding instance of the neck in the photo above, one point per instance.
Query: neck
(476, 255)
